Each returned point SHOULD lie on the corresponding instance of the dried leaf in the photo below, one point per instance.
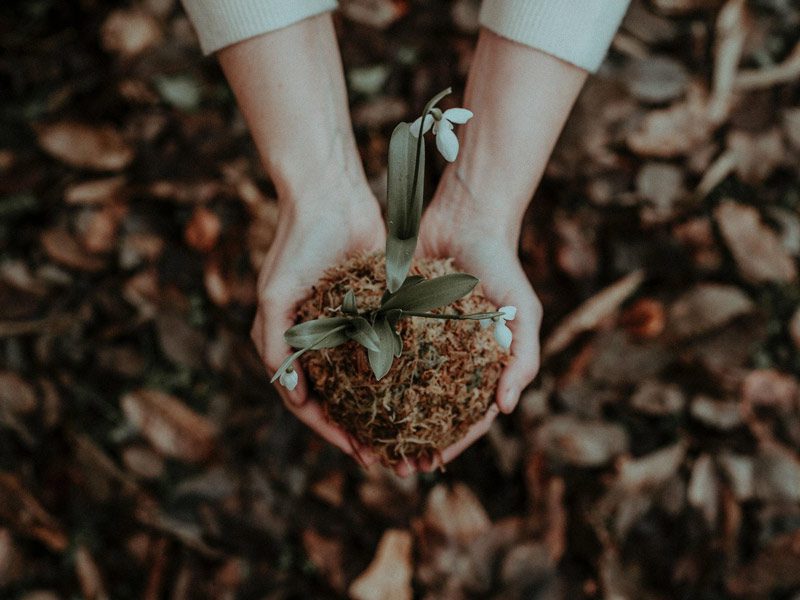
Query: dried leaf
(89, 576)
(719, 414)
(703, 490)
(169, 425)
(326, 554)
(566, 439)
(388, 577)
(24, 512)
(705, 307)
(755, 247)
(129, 32)
(95, 191)
(100, 147)
(63, 248)
(656, 79)
(775, 569)
(16, 395)
(203, 229)
(589, 314)
(456, 513)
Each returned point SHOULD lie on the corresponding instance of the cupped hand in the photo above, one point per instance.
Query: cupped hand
(484, 244)
(314, 233)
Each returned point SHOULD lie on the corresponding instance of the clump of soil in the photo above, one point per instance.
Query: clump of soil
(444, 381)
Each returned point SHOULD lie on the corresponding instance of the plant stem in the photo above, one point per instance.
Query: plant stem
(450, 316)
(431, 103)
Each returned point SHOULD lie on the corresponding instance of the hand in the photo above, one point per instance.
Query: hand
(484, 245)
(314, 233)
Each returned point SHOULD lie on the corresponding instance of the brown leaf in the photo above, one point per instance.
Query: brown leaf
(705, 307)
(771, 389)
(16, 395)
(129, 32)
(794, 328)
(143, 462)
(95, 191)
(644, 319)
(169, 425)
(719, 414)
(589, 314)
(651, 469)
(63, 248)
(98, 228)
(330, 488)
(660, 185)
(657, 398)
(19, 507)
(674, 131)
(203, 229)
(703, 490)
(378, 14)
(776, 568)
(698, 235)
(569, 440)
(755, 247)
(456, 513)
(326, 554)
(100, 147)
(576, 254)
(179, 341)
(656, 79)
(388, 576)
(89, 576)
(757, 155)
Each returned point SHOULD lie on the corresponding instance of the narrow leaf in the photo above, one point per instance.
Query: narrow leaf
(362, 332)
(286, 363)
(433, 293)
(349, 303)
(404, 204)
(305, 334)
(381, 360)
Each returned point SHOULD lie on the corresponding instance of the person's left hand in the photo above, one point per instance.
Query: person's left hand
(483, 247)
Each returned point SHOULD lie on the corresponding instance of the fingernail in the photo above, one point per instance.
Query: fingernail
(509, 400)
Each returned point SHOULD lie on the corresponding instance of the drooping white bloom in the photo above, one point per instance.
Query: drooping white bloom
(288, 379)
(442, 122)
(502, 334)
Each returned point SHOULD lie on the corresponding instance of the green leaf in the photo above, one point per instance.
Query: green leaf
(381, 360)
(404, 205)
(349, 303)
(362, 332)
(409, 281)
(303, 335)
(433, 293)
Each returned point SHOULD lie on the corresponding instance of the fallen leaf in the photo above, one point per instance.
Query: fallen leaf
(24, 512)
(378, 14)
(326, 554)
(330, 488)
(99, 147)
(96, 191)
(388, 576)
(719, 414)
(143, 462)
(703, 490)
(63, 248)
(757, 155)
(755, 247)
(768, 388)
(589, 314)
(644, 319)
(776, 568)
(705, 307)
(582, 443)
(656, 398)
(652, 469)
(169, 425)
(203, 229)
(660, 185)
(16, 395)
(656, 79)
(456, 513)
(129, 32)
(89, 577)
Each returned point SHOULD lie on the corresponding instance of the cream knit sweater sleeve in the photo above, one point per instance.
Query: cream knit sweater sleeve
(577, 31)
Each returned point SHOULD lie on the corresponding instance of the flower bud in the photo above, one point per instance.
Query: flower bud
(486, 323)
(509, 312)
(502, 334)
(288, 379)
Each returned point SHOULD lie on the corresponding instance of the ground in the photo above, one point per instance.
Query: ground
(143, 453)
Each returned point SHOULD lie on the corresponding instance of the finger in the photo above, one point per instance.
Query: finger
(524, 362)
(312, 414)
(475, 432)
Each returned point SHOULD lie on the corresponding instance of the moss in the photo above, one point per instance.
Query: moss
(444, 381)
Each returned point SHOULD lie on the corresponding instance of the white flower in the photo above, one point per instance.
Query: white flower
(502, 334)
(442, 122)
(288, 379)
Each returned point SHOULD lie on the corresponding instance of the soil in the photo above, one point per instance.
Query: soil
(443, 382)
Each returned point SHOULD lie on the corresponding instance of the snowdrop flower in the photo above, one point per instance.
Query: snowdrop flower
(442, 122)
(502, 334)
(288, 378)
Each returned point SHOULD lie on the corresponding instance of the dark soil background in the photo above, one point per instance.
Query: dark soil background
(143, 453)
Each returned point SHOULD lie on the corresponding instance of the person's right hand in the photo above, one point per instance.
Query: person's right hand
(315, 233)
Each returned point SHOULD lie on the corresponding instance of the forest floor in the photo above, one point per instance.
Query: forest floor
(143, 453)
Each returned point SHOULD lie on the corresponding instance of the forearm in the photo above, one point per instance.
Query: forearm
(521, 98)
(289, 84)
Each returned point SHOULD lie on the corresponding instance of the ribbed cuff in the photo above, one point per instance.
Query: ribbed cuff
(577, 31)
(220, 23)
